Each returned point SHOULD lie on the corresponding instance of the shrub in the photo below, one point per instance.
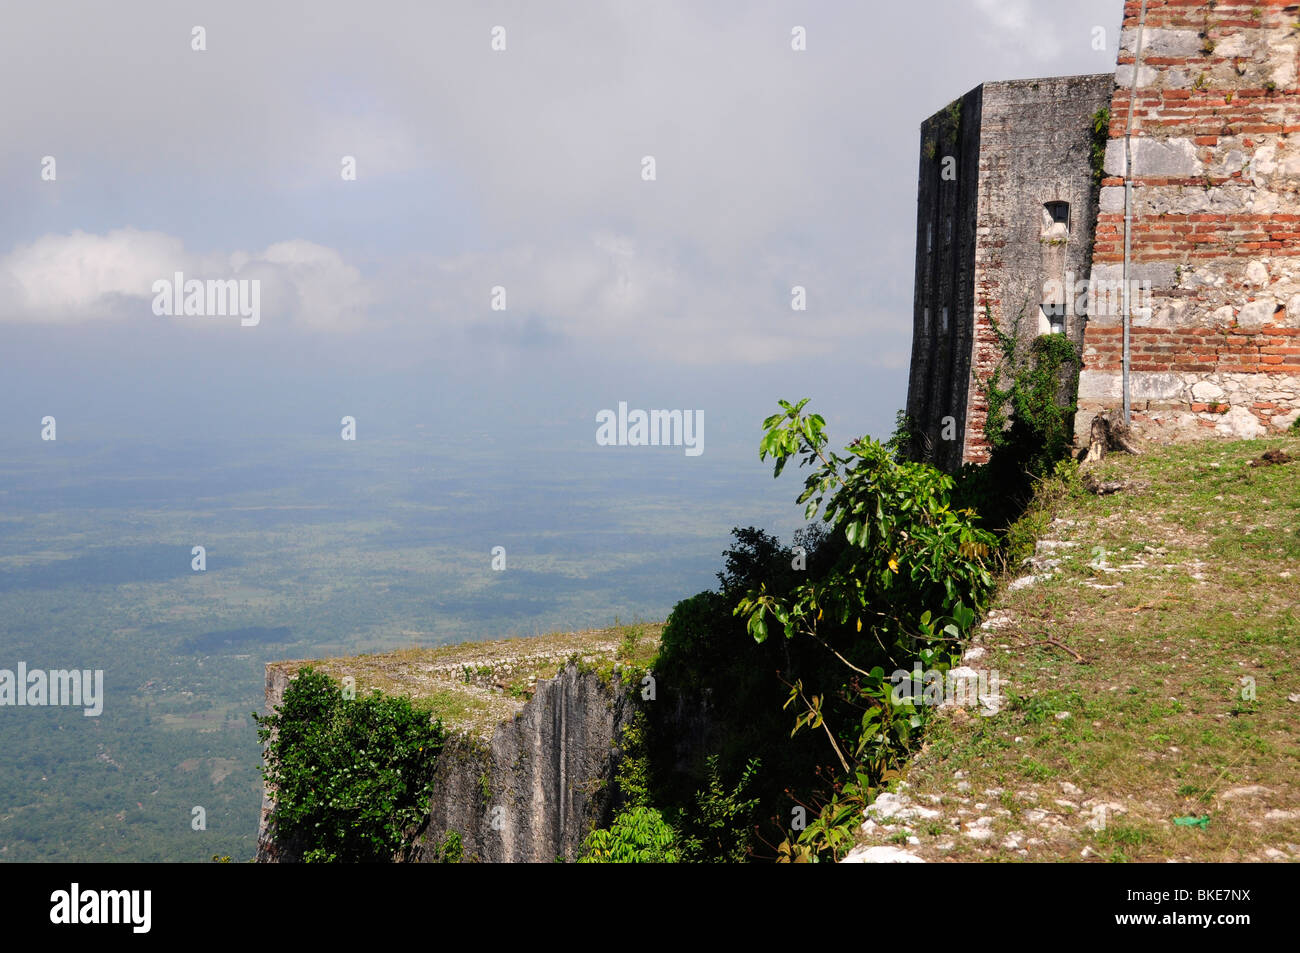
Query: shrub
(909, 575)
(639, 835)
(1030, 421)
(351, 777)
(719, 829)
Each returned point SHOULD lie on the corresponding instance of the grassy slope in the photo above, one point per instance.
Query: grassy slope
(474, 686)
(1195, 587)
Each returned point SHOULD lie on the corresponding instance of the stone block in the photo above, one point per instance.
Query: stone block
(1293, 312)
(1207, 392)
(1154, 385)
(1160, 42)
(1111, 199)
(1257, 314)
(1100, 386)
(1239, 422)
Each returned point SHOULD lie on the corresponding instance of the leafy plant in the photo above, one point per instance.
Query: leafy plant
(719, 830)
(902, 589)
(351, 777)
(900, 441)
(952, 116)
(639, 835)
(1031, 418)
(452, 850)
(1100, 136)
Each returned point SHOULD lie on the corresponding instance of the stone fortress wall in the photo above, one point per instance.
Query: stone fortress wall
(1012, 226)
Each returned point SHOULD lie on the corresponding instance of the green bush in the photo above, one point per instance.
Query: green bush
(352, 777)
(639, 835)
(720, 827)
(1030, 420)
(452, 850)
(1100, 136)
(909, 576)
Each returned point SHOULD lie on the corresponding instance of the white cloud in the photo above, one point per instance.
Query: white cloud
(1016, 25)
(79, 277)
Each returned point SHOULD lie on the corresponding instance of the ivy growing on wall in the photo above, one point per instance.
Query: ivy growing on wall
(1100, 136)
(1031, 417)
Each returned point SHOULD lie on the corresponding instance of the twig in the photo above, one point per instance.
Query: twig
(1077, 657)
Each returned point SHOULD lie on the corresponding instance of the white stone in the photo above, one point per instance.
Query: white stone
(1100, 385)
(883, 854)
(1171, 316)
(1284, 75)
(1222, 317)
(1234, 45)
(1248, 790)
(1052, 545)
(1146, 76)
(1206, 391)
(1111, 199)
(1239, 422)
(1293, 312)
(1024, 582)
(1257, 273)
(893, 807)
(1159, 42)
(1153, 385)
(1284, 421)
(1255, 315)
(1175, 157)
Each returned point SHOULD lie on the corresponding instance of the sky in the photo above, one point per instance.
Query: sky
(476, 168)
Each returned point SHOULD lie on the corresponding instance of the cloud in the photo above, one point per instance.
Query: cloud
(519, 168)
(1017, 25)
(81, 277)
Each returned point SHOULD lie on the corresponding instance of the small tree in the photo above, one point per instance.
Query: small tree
(907, 583)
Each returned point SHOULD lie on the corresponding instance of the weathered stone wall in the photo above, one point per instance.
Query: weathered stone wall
(986, 238)
(530, 794)
(548, 776)
(1035, 156)
(1216, 222)
(943, 307)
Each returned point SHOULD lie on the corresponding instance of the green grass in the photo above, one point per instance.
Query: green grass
(1201, 560)
(474, 686)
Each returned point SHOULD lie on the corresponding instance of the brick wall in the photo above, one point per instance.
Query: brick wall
(1216, 222)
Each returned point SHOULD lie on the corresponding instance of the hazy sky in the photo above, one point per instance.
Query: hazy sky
(476, 168)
